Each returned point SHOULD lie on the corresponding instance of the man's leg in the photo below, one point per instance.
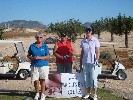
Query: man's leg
(43, 74)
(89, 90)
(42, 83)
(95, 91)
(86, 71)
(68, 67)
(60, 68)
(36, 85)
(95, 82)
(35, 78)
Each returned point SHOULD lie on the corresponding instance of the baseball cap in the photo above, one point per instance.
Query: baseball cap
(63, 35)
(89, 28)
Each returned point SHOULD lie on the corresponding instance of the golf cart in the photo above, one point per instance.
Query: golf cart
(117, 69)
(15, 65)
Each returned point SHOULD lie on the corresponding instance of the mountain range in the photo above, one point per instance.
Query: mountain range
(23, 24)
(87, 24)
(29, 24)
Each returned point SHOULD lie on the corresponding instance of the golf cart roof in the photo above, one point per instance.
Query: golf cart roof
(9, 41)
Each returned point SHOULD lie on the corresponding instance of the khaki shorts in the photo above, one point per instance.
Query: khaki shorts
(39, 72)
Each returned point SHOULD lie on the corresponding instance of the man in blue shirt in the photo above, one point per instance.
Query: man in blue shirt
(38, 53)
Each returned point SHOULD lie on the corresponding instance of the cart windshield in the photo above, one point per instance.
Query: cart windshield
(20, 52)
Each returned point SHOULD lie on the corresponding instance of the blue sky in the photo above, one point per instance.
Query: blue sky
(47, 11)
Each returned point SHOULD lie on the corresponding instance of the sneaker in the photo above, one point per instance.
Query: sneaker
(36, 96)
(42, 97)
(87, 96)
(95, 97)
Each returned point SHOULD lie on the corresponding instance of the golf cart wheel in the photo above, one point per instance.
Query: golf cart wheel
(23, 74)
(121, 75)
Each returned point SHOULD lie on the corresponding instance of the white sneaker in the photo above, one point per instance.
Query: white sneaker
(42, 97)
(95, 97)
(36, 96)
(87, 96)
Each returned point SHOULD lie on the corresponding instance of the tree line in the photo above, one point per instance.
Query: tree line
(119, 25)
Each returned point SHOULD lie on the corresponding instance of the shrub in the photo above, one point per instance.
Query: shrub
(108, 55)
(131, 58)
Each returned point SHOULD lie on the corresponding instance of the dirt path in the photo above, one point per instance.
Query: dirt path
(122, 88)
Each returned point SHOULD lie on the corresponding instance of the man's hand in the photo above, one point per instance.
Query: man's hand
(81, 68)
(66, 56)
(96, 62)
(37, 57)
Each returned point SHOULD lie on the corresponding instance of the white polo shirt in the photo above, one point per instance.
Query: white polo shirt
(89, 47)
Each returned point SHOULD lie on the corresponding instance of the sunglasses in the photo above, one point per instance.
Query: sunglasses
(38, 37)
(63, 37)
(88, 32)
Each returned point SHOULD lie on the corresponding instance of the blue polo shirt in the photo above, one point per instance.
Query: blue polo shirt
(41, 51)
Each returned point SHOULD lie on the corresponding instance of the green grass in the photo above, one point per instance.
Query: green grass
(103, 94)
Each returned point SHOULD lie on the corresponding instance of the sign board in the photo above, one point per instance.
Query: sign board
(65, 85)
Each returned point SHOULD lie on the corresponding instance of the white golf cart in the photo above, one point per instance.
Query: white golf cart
(117, 69)
(18, 69)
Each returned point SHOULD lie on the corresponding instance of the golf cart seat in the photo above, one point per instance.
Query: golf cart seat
(20, 58)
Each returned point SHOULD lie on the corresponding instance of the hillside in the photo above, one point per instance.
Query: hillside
(24, 24)
(86, 24)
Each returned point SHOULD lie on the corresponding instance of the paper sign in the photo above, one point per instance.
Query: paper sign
(65, 85)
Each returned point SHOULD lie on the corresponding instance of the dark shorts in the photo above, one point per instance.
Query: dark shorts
(64, 67)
